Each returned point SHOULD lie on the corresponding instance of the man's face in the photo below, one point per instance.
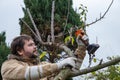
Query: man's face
(30, 49)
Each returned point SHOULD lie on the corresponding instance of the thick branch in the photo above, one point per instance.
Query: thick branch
(66, 49)
(95, 68)
(87, 70)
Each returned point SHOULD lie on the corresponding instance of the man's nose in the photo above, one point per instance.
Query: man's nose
(35, 46)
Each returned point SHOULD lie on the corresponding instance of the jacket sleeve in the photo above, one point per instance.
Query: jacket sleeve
(13, 70)
(48, 68)
(40, 71)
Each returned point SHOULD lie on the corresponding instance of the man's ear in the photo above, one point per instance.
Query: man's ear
(20, 52)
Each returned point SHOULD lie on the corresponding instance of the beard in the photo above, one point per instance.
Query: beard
(32, 55)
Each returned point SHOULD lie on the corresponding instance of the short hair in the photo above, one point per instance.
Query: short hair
(18, 43)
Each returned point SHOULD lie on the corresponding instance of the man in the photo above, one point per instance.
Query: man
(22, 63)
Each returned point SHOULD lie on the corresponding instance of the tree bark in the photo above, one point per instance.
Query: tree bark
(52, 21)
(70, 73)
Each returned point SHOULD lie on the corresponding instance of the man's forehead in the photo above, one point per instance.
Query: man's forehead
(29, 41)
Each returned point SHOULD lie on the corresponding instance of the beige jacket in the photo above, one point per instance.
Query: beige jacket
(14, 68)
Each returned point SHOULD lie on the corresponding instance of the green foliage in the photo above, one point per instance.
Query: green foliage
(2, 38)
(83, 15)
(41, 13)
(65, 17)
(4, 50)
(109, 73)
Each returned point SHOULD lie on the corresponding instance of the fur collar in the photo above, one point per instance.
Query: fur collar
(34, 61)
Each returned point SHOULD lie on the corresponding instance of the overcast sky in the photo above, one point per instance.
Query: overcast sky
(107, 30)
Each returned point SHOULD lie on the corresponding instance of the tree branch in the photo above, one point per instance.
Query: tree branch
(67, 15)
(101, 17)
(97, 67)
(67, 50)
(37, 31)
(87, 70)
(29, 28)
(52, 21)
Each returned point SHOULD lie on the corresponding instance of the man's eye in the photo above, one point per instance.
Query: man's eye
(31, 44)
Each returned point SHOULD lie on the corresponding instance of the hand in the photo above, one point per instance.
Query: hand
(67, 62)
(85, 37)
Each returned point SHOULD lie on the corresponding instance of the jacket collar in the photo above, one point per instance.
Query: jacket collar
(24, 59)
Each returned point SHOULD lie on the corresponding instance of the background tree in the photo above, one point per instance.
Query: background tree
(2, 38)
(67, 25)
(64, 18)
(4, 50)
